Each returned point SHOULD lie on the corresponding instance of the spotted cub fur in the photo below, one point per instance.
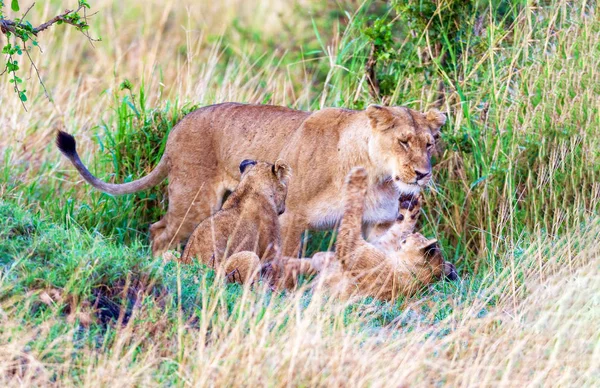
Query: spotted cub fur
(245, 233)
(397, 263)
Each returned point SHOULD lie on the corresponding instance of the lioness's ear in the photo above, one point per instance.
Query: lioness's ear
(435, 118)
(282, 171)
(380, 117)
(430, 248)
(245, 163)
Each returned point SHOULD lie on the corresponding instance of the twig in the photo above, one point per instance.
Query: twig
(28, 9)
(11, 26)
(37, 72)
(56, 19)
(84, 32)
(25, 31)
(16, 85)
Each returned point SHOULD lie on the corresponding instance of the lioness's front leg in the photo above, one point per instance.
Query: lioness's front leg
(292, 227)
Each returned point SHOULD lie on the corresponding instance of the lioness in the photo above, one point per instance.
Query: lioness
(246, 228)
(394, 144)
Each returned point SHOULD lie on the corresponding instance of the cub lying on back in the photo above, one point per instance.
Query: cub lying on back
(397, 263)
(247, 226)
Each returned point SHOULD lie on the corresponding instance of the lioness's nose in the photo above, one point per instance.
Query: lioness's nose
(421, 175)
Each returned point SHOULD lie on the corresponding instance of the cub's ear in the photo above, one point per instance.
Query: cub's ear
(282, 171)
(430, 248)
(436, 119)
(245, 163)
(381, 117)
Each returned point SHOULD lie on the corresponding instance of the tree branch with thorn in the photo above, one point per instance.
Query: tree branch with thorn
(19, 31)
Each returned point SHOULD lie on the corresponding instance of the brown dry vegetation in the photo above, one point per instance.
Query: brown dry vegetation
(515, 206)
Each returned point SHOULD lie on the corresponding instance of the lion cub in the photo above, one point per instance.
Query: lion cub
(397, 263)
(247, 226)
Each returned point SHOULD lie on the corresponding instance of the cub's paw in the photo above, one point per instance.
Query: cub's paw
(284, 273)
(296, 267)
(170, 256)
(357, 182)
(322, 260)
(409, 209)
(241, 267)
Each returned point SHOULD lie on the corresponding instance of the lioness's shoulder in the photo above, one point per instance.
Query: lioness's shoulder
(332, 119)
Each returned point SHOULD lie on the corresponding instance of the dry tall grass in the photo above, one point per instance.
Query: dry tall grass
(531, 321)
(173, 46)
(541, 331)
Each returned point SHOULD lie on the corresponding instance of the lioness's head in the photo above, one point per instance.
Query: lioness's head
(402, 142)
(267, 179)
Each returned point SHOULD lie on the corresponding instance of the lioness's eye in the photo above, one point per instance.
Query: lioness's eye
(403, 143)
(429, 145)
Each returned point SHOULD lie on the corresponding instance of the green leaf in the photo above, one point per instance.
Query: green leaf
(14, 4)
(126, 84)
(478, 181)
(22, 96)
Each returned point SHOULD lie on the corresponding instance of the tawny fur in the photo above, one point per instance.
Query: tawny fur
(245, 233)
(242, 267)
(284, 273)
(203, 150)
(398, 263)
(398, 231)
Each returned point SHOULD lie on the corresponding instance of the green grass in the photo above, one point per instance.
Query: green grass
(515, 205)
(83, 271)
(141, 306)
(37, 255)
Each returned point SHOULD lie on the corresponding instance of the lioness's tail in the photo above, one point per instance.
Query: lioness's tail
(350, 229)
(66, 144)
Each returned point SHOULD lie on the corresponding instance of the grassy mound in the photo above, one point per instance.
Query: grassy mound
(79, 309)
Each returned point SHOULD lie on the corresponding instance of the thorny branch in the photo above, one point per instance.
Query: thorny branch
(24, 31)
(7, 25)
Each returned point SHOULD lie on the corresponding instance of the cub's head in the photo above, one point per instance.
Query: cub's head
(402, 142)
(267, 180)
(426, 259)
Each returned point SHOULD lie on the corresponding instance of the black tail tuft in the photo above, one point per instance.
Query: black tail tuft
(66, 143)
